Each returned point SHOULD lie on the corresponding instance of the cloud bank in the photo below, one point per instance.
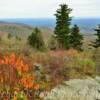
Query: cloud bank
(47, 8)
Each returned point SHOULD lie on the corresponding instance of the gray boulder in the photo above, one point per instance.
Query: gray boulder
(76, 89)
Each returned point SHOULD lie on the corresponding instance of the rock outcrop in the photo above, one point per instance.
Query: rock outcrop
(76, 89)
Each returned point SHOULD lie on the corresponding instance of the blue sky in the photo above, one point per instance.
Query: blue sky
(47, 8)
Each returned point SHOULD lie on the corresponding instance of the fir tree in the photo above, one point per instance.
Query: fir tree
(62, 29)
(76, 38)
(96, 44)
(36, 40)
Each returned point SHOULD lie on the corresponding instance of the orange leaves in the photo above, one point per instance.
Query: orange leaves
(14, 98)
(17, 62)
(36, 86)
(6, 60)
(20, 66)
(18, 76)
(1, 80)
(28, 81)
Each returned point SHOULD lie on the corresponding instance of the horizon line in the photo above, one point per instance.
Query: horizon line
(49, 18)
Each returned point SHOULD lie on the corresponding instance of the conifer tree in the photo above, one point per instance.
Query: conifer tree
(76, 38)
(62, 29)
(36, 39)
(96, 44)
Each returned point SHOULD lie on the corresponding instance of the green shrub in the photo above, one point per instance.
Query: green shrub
(36, 40)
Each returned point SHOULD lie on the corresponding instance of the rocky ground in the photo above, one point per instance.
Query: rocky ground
(77, 89)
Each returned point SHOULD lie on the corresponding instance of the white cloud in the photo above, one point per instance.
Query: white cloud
(85, 8)
(46, 8)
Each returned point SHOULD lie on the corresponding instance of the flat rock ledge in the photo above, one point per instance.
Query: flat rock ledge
(76, 89)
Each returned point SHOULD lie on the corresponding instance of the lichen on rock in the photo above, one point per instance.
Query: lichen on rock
(76, 89)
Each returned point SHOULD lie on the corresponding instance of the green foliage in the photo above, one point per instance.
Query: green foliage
(62, 29)
(52, 43)
(18, 38)
(76, 38)
(21, 96)
(36, 39)
(40, 73)
(96, 59)
(9, 36)
(96, 44)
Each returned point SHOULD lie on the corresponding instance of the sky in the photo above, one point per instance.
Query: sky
(47, 8)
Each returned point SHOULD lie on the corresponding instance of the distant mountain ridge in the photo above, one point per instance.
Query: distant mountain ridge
(14, 28)
(22, 30)
(86, 25)
(12, 23)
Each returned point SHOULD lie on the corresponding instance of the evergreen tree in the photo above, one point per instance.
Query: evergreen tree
(36, 40)
(62, 29)
(96, 44)
(76, 38)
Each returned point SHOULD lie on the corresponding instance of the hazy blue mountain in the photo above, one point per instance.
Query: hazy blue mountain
(86, 25)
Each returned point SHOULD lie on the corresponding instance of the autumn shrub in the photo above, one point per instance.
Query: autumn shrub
(63, 65)
(18, 78)
(96, 58)
(29, 77)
